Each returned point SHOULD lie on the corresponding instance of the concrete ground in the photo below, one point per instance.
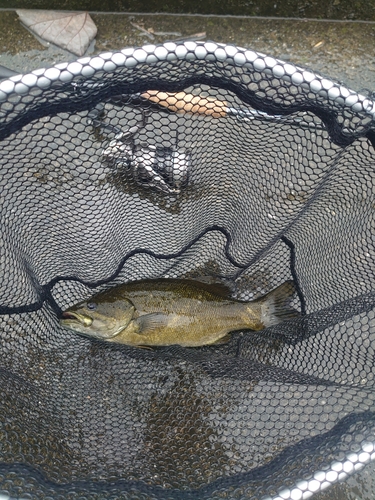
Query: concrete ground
(343, 50)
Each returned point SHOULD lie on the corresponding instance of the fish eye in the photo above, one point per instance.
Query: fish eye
(92, 306)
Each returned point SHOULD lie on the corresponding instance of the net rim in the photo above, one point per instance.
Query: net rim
(190, 51)
(323, 479)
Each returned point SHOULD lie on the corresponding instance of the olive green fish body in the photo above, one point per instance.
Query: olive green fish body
(167, 311)
(199, 324)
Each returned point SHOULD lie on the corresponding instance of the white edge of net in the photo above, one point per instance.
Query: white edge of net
(323, 479)
(190, 51)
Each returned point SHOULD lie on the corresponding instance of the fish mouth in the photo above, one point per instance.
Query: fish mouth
(81, 318)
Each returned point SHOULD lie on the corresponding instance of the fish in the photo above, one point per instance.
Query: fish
(163, 312)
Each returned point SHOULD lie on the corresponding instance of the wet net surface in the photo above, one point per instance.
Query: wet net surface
(283, 191)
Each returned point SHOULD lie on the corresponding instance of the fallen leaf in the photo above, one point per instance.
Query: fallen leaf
(73, 31)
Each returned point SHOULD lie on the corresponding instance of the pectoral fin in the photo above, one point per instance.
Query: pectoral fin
(149, 322)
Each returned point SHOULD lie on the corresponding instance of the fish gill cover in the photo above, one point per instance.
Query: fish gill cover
(197, 161)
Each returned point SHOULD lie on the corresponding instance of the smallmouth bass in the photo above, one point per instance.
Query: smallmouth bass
(165, 312)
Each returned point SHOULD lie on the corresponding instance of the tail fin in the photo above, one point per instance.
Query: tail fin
(275, 306)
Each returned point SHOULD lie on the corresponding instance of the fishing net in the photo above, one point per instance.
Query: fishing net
(242, 170)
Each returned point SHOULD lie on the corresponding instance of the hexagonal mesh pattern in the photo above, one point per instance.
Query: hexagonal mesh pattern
(201, 161)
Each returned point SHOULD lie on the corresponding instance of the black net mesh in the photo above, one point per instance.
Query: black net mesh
(99, 187)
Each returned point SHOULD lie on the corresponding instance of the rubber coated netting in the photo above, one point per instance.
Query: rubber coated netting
(271, 180)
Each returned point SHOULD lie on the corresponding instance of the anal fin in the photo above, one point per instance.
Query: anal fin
(222, 340)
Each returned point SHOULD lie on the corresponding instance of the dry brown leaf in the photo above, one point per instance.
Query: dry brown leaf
(73, 31)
